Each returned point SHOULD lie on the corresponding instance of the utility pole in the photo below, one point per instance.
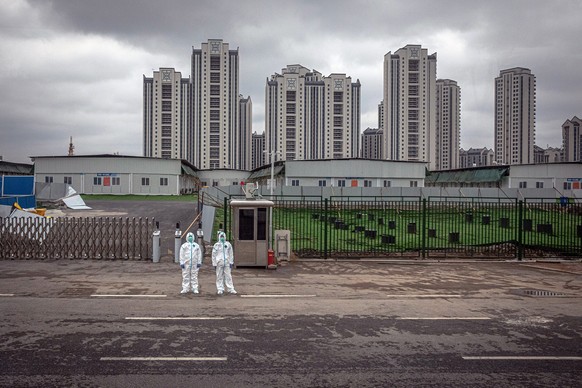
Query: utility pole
(271, 184)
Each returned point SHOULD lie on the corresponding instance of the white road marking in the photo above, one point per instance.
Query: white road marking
(424, 296)
(171, 318)
(444, 318)
(126, 296)
(163, 359)
(6, 294)
(567, 358)
(278, 296)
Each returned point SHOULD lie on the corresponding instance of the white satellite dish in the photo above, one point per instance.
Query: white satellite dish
(250, 190)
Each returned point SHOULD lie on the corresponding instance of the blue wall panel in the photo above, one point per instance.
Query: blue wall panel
(28, 201)
(17, 185)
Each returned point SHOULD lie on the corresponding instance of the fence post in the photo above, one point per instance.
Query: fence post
(177, 243)
(325, 247)
(423, 248)
(156, 244)
(520, 231)
(225, 218)
(200, 239)
(200, 201)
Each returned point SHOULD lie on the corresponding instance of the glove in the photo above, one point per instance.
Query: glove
(231, 266)
(182, 266)
(198, 265)
(214, 267)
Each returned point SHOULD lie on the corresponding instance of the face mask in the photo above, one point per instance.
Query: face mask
(190, 239)
(222, 239)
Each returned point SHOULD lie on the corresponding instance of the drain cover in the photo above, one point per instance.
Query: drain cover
(543, 293)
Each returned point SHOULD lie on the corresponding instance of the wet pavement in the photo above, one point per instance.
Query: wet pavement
(339, 279)
(309, 323)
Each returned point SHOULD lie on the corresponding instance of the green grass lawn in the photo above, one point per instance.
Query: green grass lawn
(399, 228)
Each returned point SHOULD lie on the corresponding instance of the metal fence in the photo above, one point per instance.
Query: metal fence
(433, 227)
(76, 238)
(472, 227)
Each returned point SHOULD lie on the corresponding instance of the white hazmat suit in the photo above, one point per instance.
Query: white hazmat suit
(223, 260)
(190, 262)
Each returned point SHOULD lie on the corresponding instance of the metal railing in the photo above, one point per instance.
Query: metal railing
(551, 226)
(435, 227)
(76, 238)
(471, 227)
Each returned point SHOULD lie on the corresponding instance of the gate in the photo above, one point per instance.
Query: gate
(76, 238)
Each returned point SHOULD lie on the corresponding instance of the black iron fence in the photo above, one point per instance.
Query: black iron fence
(435, 227)
(76, 238)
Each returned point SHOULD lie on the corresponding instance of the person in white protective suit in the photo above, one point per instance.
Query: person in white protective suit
(223, 260)
(190, 262)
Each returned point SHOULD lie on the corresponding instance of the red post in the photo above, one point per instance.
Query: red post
(271, 264)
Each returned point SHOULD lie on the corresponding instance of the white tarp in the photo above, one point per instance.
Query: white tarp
(60, 192)
(75, 202)
(5, 211)
(30, 225)
(50, 191)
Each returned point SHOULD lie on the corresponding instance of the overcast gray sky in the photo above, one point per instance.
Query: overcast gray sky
(75, 67)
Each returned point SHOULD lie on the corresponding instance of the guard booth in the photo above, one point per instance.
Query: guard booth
(250, 232)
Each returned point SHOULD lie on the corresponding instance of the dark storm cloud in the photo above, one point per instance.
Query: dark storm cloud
(75, 67)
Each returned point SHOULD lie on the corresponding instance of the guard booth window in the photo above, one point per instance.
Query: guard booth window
(261, 223)
(246, 228)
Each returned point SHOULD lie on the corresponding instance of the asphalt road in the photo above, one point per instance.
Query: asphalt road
(323, 324)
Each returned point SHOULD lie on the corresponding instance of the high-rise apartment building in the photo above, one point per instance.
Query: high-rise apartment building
(409, 105)
(242, 138)
(165, 98)
(215, 105)
(476, 157)
(553, 155)
(381, 115)
(538, 155)
(448, 124)
(515, 116)
(572, 140)
(372, 143)
(202, 119)
(258, 150)
(310, 116)
(547, 155)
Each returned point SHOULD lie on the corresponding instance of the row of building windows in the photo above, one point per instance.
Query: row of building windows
(566, 185)
(166, 131)
(167, 91)
(145, 181)
(353, 183)
(106, 181)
